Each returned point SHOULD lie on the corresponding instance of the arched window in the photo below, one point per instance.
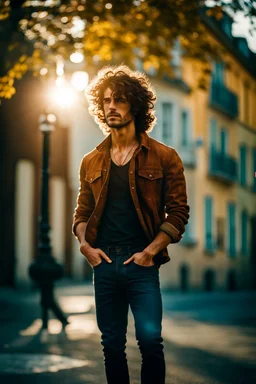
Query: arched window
(209, 280)
(231, 280)
(184, 278)
(244, 233)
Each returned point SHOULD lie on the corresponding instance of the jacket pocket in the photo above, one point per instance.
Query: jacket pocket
(95, 183)
(150, 188)
(91, 177)
(151, 174)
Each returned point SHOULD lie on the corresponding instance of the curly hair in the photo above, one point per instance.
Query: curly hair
(134, 85)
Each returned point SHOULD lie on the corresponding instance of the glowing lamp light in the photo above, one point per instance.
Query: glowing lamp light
(76, 57)
(60, 68)
(43, 71)
(64, 96)
(51, 118)
(79, 80)
(60, 81)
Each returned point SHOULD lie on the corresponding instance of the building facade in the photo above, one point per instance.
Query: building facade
(218, 249)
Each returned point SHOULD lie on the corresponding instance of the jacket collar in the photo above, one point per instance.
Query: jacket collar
(106, 143)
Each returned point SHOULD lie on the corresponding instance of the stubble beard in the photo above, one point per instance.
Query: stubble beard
(125, 121)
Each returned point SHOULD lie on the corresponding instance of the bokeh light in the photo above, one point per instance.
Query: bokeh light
(79, 80)
(76, 57)
(43, 71)
(64, 96)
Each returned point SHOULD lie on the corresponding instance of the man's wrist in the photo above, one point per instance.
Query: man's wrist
(149, 253)
(84, 245)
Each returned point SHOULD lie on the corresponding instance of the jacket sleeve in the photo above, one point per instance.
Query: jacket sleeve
(85, 199)
(175, 198)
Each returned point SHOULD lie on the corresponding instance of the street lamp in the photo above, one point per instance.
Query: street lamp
(45, 269)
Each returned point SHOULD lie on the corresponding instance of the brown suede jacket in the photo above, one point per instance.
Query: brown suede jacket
(157, 185)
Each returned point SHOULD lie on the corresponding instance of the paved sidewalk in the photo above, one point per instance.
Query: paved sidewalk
(70, 356)
(199, 350)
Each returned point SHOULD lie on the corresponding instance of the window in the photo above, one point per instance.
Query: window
(208, 223)
(223, 141)
(220, 224)
(231, 230)
(167, 109)
(243, 46)
(218, 73)
(213, 133)
(244, 233)
(254, 169)
(243, 153)
(227, 25)
(209, 280)
(231, 280)
(184, 129)
(184, 278)
(246, 103)
(176, 59)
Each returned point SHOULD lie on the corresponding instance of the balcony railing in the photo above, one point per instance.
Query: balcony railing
(222, 166)
(223, 99)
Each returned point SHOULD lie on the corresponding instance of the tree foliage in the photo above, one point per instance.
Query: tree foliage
(35, 34)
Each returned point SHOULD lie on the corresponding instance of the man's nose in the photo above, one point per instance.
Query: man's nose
(112, 104)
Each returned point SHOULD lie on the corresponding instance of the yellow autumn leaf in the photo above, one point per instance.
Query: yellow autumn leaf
(154, 61)
(4, 16)
(129, 37)
(23, 58)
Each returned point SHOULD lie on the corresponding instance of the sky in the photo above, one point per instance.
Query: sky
(241, 28)
(241, 24)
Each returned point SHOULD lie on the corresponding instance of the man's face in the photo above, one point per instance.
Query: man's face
(117, 110)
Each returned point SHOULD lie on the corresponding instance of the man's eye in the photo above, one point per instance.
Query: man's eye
(121, 100)
(106, 101)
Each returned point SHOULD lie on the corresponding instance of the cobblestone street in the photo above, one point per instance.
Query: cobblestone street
(209, 338)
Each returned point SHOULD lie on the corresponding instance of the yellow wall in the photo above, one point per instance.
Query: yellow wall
(240, 130)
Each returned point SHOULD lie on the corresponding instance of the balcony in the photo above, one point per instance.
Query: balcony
(222, 166)
(222, 99)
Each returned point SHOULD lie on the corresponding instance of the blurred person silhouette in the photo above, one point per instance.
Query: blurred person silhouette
(132, 203)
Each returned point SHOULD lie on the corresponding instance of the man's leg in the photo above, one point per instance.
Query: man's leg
(112, 318)
(146, 304)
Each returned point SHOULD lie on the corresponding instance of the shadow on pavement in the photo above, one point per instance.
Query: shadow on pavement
(75, 356)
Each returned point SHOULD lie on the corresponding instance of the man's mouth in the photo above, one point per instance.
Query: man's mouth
(113, 115)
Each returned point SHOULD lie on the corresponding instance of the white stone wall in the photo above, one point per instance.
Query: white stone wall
(24, 223)
(57, 209)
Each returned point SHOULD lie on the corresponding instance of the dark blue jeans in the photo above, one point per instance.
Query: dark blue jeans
(116, 287)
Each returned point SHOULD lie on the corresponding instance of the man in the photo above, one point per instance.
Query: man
(131, 204)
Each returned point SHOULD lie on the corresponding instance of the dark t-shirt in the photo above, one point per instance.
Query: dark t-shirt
(119, 223)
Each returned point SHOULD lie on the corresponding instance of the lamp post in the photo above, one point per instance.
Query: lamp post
(45, 269)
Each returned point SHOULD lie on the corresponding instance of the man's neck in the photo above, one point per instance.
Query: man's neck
(123, 138)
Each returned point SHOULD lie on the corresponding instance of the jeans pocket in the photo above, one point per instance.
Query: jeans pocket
(144, 266)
